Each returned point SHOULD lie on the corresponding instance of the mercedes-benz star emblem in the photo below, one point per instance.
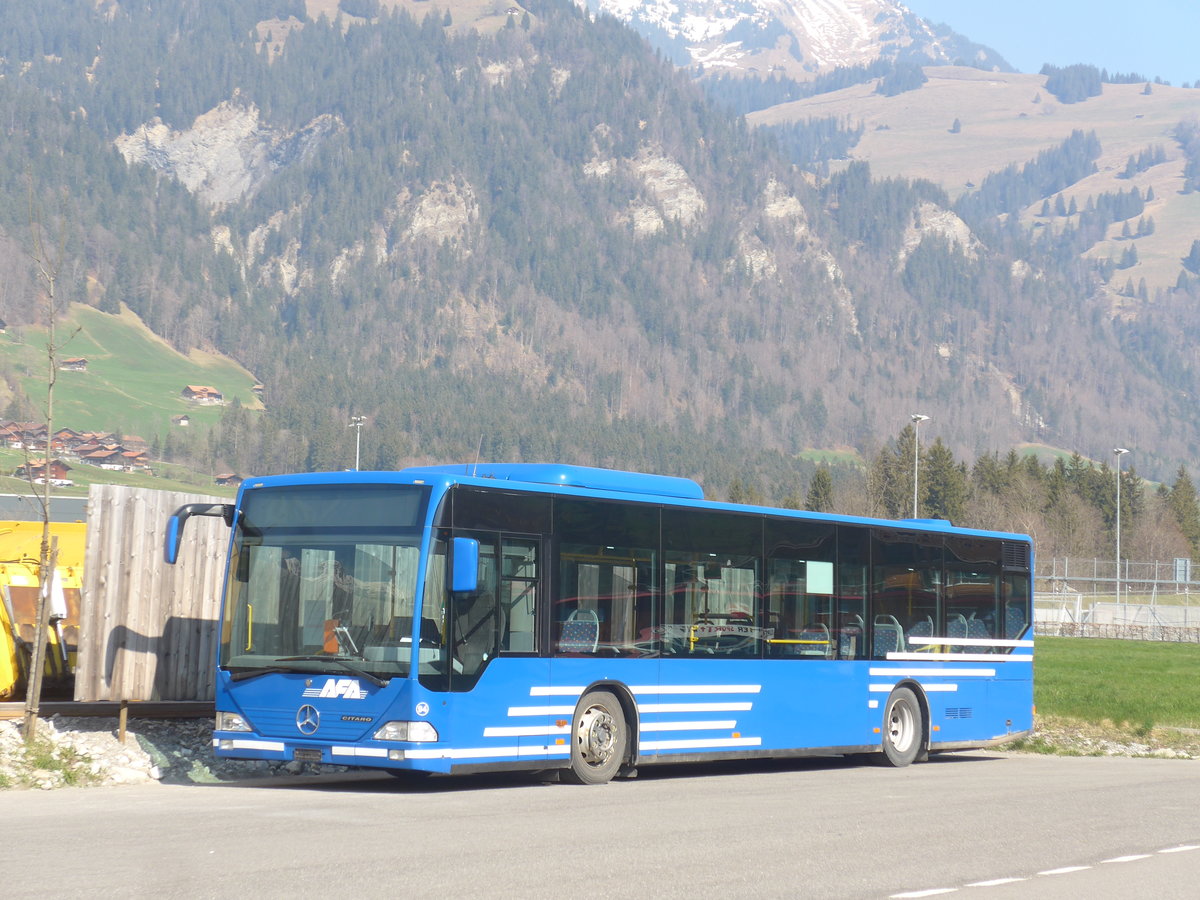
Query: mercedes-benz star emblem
(308, 720)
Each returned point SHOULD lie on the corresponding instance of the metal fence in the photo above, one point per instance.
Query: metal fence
(1076, 616)
(1070, 575)
(1153, 601)
(1157, 600)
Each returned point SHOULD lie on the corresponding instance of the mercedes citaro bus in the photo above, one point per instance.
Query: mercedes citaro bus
(486, 617)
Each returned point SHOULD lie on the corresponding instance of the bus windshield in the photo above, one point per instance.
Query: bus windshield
(323, 578)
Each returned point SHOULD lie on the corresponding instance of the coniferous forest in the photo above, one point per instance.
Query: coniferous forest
(541, 241)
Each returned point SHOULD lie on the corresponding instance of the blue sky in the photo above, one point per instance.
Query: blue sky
(1151, 37)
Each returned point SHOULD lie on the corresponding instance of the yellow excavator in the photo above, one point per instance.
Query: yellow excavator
(20, 548)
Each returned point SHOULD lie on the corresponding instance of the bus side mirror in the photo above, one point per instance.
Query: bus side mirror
(464, 565)
(185, 512)
(171, 545)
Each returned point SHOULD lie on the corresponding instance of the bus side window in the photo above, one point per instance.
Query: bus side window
(713, 573)
(799, 620)
(799, 609)
(478, 625)
(606, 594)
(477, 621)
(974, 591)
(519, 594)
(854, 556)
(1016, 605)
(906, 587)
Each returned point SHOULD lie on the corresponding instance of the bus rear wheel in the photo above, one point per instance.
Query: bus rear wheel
(903, 728)
(599, 737)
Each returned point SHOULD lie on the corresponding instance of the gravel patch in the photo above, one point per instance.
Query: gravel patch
(1069, 737)
(86, 751)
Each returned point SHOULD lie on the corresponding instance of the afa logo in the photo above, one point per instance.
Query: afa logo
(346, 688)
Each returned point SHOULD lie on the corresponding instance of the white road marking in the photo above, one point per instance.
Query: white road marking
(1065, 870)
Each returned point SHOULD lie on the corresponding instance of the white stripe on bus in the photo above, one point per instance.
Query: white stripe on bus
(541, 711)
(642, 707)
(968, 642)
(718, 725)
(575, 691)
(526, 730)
(380, 752)
(693, 707)
(697, 689)
(482, 752)
(963, 657)
(932, 688)
(246, 744)
(917, 673)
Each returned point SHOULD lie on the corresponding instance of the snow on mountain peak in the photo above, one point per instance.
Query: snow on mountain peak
(798, 37)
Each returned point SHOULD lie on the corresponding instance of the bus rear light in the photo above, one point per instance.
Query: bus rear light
(406, 731)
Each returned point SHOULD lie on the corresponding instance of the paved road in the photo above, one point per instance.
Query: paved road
(1094, 827)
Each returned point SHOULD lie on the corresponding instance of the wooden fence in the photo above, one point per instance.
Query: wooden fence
(148, 631)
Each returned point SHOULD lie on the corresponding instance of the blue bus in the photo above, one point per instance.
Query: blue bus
(536, 616)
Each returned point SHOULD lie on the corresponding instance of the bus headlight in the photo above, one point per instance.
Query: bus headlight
(231, 721)
(406, 731)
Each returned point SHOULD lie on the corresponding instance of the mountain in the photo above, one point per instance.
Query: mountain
(963, 125)
(525, 236)
(797, 38)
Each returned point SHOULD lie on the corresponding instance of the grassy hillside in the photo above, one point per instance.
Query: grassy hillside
(133, 381)
(484, 16)
(165, 478)
(1010, 118)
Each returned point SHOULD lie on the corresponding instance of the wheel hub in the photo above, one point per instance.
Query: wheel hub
(901, 728)
(597, 736)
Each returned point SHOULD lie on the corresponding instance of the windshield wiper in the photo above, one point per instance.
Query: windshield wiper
(261, 670)
(341, 661)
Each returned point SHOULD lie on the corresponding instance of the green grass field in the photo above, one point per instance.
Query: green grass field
(1135, 683)
(133, 381)
(132, 386)
(166, 477)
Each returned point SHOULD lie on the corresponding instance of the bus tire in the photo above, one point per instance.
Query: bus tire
(903, 728)
(599, 739)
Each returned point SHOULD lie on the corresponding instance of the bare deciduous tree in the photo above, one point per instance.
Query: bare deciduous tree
(46, 264)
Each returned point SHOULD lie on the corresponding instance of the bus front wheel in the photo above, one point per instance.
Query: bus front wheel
(599, 736)
(903, 728)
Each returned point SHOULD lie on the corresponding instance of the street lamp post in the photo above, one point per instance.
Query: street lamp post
(356, 422)
(917, 419)
(1119, 452)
